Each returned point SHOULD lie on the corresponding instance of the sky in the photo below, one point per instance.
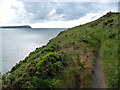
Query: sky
(53, 13)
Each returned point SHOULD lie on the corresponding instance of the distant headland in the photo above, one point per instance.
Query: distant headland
(23, 26)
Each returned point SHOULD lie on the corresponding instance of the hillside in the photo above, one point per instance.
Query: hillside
(68, 60)
(23, 26)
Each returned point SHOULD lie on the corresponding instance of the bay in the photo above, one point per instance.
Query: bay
(16, 44)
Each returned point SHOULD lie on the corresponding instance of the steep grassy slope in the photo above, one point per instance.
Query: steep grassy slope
(68, 59)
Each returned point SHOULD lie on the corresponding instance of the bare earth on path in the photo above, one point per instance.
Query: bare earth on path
(98, 76)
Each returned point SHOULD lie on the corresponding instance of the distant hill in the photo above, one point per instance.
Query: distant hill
(68, 60)
(23, 26)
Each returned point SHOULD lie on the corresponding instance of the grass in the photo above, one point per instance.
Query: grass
(67, 61)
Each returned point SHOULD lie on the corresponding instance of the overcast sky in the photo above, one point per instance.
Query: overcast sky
(53, 14)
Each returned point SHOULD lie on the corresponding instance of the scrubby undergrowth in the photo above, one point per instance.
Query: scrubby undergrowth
(67, 61)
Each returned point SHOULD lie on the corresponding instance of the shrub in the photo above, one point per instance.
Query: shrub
(110, 21)
(27, 85)
(15, 67)
(31, 69)
(40, 83)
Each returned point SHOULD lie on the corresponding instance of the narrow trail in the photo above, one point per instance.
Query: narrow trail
(98, 76)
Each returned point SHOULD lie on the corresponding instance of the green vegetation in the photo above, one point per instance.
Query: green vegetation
(67, 61)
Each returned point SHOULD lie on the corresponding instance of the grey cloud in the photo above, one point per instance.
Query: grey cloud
(70, 11)
(36, 12)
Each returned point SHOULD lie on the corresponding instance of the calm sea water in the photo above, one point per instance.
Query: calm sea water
(16, 44)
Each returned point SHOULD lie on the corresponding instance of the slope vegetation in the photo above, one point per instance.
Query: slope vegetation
(68, 60)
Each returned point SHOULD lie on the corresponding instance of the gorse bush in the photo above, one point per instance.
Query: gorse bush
(67, 61)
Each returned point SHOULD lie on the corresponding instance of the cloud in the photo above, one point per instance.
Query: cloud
(66, 11)
(17, 12)
(68, 24)
(11, 12)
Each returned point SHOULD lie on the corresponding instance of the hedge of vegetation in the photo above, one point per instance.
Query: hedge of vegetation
(67, 61)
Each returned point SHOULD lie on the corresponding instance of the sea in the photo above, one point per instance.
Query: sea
(16, 44)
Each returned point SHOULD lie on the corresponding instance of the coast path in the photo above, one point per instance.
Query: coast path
(98, 76)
